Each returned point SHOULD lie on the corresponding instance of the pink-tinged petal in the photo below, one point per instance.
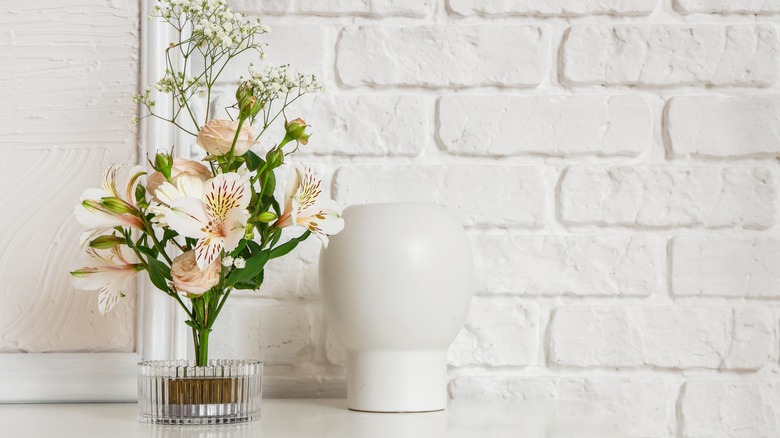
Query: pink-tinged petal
(188, 217)
(207, 250)
(109, 271)
(92, 278)
(91, 217)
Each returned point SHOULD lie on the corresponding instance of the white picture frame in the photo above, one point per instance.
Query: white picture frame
(160, 332)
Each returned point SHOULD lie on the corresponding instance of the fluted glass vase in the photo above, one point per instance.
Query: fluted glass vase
(179, 392)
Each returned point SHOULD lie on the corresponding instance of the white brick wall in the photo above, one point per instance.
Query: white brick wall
(615, 163)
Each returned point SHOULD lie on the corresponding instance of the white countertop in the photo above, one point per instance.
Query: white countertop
(293, 418)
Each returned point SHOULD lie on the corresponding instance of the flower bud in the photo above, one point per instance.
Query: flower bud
(249, 232)
(296, 130)
(248, 104)
(274, 158)
(116, 205)
(107, 242)
(163, 162)
(266, 216)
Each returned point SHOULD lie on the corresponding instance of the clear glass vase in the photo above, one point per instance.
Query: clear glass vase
(178, 392)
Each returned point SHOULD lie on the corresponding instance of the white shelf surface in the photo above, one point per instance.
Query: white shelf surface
(324, 418)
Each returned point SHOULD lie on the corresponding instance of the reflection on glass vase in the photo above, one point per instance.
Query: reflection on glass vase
(178, 392)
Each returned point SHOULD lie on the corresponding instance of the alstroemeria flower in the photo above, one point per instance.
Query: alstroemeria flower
(108, 207)
(216, 216)
(305, 206)
(109, 271)
(184, 186)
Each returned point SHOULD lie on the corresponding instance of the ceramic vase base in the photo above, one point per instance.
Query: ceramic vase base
(397, 381)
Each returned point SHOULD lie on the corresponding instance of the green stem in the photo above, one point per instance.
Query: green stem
(195, 343)
(176, 296)
(203, 349)
(156, 242)
(171, 122)
(219, 309)
(229, 160)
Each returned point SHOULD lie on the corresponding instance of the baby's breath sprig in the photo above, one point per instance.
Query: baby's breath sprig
(209, 31)
(276, 83)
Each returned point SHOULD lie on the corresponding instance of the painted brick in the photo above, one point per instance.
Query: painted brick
(730, 409)
(548, 125)
(443, 56)
(368, 125)
(727, 6)
(292, 275)
(726, 266)
(570, 265)
(554, 8)
(283, 47)
(519, 197)
(498, 332)
(336, 7)
(335, 352)
(663, 196)
(725, 126)
(277, 331)
(650, 412)
(674, 337)
(671, 55)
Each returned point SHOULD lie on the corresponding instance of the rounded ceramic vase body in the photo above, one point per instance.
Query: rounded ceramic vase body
(396, 287)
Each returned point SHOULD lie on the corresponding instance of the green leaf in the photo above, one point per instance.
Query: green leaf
(253, 161)
(254, 247)
(151, 252)
(286, 247)
(270, 184)
(169, 234)
(140, 193)
(275, 238)
(159, 273)
(254, 266)
(239, 248)
(251, 284)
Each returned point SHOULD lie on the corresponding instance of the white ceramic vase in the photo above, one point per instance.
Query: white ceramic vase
(396, 286)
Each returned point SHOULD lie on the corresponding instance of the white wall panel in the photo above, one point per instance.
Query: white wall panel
(68, 70)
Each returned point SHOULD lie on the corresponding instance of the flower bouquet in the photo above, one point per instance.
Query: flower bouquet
(202, 229)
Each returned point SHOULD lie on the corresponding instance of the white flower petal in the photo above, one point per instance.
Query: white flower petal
(235, 224)
(108, 298)
(207, 250)
(188, 217)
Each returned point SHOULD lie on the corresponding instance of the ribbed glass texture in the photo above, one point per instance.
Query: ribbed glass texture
(178, 392)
